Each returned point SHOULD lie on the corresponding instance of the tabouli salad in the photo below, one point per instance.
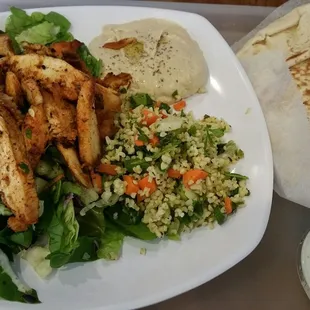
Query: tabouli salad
(85, 163)
(169, 171)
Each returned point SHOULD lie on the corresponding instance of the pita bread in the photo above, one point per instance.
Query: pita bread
(291, 35)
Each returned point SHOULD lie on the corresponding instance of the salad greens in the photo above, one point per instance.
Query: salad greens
(94, 65)
(46, 29)
(111, 243)
(36, 28)
(141, 99)
(11, 287)
(71, 237)
(63, 232)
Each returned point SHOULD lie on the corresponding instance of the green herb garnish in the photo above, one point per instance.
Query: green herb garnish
(235, 175)
(132, 163)
(28, 133)
(175, 94)
(142, 136)
(141, 99)
(123, 90)
(192, 130)
(24, 167)
(164, 106)
(93, 65)
(218, 215)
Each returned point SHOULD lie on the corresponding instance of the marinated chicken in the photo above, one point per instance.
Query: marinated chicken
(61, 116)
(13, 88)
(6, 48)
(71, 157)
(17, 186)
(116, 81)
(32, 92)
(36, 134)
(45, 100)
(48, 72)
(87, 125)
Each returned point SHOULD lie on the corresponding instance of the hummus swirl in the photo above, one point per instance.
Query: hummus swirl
(164, 60)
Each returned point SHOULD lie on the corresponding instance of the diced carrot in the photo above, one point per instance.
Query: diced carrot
(179, 105)
(175, 174)
(138, 142)
(154, 140)
(96, 181)
(107, 169)
(140, 198)
(157, 104)
(192, 176)
(228, 205)
(149, 117)
(131, 187)
(144, 183)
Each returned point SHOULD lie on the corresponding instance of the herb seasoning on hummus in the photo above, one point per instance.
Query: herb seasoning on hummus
(163, 59)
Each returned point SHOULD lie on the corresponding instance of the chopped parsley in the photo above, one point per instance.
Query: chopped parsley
(175, 94)
(24, 167)
(237, 176)
(123, 90)
(28, 133)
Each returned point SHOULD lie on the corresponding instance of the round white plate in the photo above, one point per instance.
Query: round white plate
(170, 268)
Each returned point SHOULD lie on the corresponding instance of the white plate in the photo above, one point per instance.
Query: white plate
(170, 268)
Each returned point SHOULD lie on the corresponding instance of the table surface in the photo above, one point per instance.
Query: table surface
(242, 2)
(267, 278)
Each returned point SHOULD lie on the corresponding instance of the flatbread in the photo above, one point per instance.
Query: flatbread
(291, 35)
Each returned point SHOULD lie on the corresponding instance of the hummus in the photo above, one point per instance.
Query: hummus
(164, 61)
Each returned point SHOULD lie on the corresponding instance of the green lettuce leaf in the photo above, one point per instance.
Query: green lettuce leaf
(129, 222)
(63, 233)
(36, 28)
(111, 244)
(87, 195)
(50, 207)
(18, 21)
(129, 225)
(93, 65)
(46, 29)
(23, 238)
(4, 211)
(92, 224)
(86, 251)
(139, 231)
(59, 20)
(12, 243)
(43, 33)
(92, 228)
(11, 288)
(64, 36)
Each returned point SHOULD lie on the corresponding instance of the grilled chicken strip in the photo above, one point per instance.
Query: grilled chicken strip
(6, 48)
(36, 133)
(106, 124)
(48, 72)
(10, 104)
(71, 158)
(61, 116)
(13, 88)
(32, 91)
(116, 81)
(17, 186)
(87, 125)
